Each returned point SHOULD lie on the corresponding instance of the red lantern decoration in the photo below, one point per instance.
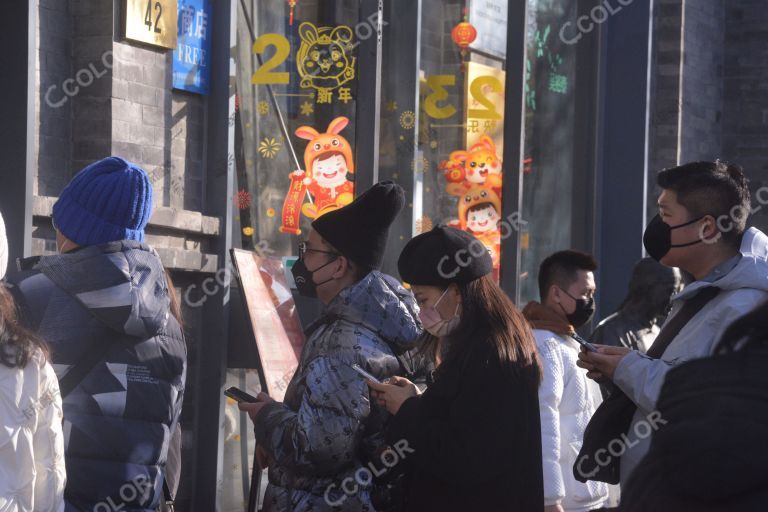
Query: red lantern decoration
(463, 35)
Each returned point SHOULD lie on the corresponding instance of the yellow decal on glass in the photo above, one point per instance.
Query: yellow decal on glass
(324, 59)
(265, 75)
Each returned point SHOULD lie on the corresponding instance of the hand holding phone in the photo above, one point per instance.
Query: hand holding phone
(365, 374)
(584, 343)
(240, 396)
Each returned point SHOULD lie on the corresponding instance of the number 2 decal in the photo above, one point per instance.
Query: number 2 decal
(476, 89)
(265, 75)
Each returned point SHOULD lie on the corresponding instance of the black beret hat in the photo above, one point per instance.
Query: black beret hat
(359, 230)
(443, 256)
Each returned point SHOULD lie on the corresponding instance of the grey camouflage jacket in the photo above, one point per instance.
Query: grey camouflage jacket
(314, 438)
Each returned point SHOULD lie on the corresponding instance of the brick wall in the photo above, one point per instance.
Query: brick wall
(54, 108)
(110, 97)
(745, 111)
(724, 109)
(703, 80)
(664, 130)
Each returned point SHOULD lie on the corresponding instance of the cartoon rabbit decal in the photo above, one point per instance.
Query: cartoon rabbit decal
(329, 165)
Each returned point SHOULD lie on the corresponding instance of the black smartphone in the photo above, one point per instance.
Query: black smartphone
(239, 396)
(584, 343)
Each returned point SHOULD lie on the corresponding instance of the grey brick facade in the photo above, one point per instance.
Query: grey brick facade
(717, 51)
(101, 96)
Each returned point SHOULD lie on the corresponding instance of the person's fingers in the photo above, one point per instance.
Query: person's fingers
(263, 397)
(609, 350)
(376, 386)
(585, 365)
(596, 358)
(247, 406)
(595, 376)
(399, 381)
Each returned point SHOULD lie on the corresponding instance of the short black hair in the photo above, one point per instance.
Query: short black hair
(711, 188)
(561, 269)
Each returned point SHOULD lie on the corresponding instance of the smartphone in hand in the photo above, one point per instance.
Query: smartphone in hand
(584, 343)
(240, 396)
(365, 374)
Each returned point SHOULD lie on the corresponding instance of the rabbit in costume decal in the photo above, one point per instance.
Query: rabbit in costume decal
(329, 165)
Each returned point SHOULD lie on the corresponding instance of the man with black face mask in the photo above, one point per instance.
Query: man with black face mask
(317, 441)
(567, 398)
(701, 228)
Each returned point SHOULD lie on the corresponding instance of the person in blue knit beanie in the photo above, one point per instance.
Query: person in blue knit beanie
(107, 201)
(108, 310)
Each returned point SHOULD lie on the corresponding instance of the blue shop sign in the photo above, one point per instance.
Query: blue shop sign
(191, 60)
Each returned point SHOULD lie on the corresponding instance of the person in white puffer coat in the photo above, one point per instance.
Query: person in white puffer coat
(32, 473)
(567, 398)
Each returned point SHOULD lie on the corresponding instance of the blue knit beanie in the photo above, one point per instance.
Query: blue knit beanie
(107, 201)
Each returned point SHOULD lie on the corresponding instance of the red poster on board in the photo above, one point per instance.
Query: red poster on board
(274, 318)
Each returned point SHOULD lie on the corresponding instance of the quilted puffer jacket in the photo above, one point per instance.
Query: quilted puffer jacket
(32, 474)
(315, 437)
(118, 421)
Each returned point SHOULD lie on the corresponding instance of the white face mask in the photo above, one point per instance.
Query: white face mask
(434, 324)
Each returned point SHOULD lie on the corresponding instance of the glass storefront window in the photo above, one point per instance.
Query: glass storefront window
(441, 125)
(442, 116)
(548, 176)
(297, 95)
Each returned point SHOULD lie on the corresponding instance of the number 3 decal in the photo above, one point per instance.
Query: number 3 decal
(437, 84)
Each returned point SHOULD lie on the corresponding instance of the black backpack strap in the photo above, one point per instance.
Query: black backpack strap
(672, 328)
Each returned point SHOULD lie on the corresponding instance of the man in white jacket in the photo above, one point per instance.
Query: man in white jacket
(567, 398)
(701, 228)
(32, 473)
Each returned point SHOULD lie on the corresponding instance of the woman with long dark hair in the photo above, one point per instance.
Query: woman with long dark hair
(32, 474)
(472, 440)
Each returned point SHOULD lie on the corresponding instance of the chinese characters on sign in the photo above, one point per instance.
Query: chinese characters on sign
(191, 66)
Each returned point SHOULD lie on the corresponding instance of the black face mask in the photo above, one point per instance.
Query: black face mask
(585, 308)
(303, 277)
(658, 237)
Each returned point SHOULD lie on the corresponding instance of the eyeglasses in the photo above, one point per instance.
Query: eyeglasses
(304, 249)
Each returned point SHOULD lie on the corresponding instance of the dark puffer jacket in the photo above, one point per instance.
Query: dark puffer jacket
(316, 437)
(118, 421)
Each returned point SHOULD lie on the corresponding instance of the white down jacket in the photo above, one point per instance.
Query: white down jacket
(567, 400)
(32, 474)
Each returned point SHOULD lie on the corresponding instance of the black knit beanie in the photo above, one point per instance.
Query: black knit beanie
(359, 230)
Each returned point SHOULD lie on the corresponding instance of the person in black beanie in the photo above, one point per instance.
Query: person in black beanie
(474, 434)
(318, 442)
